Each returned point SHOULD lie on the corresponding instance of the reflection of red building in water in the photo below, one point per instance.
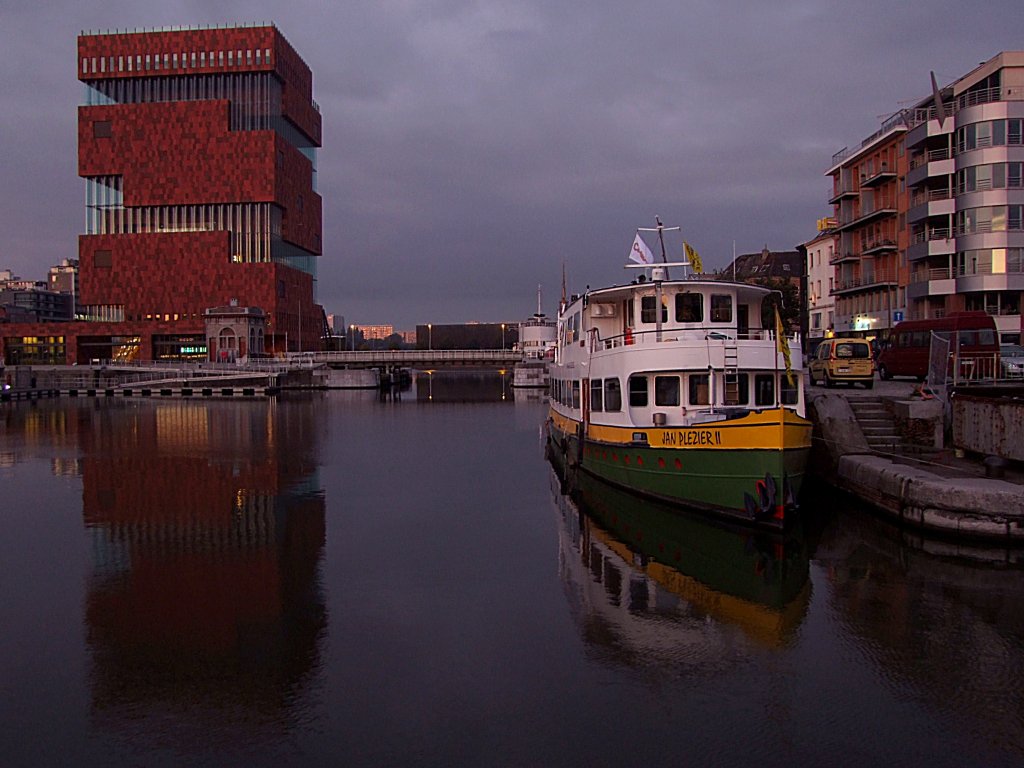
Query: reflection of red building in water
(207, 528)
(198, 152)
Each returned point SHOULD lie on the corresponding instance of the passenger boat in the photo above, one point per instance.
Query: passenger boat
(537, 346)
(696, 404)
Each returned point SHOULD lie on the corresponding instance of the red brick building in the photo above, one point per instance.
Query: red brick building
(198, 151)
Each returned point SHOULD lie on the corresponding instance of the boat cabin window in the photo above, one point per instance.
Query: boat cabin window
(700, 389)
(647, 309)
(788, 393)
(737, 389)
(576, 394)
(596, 395)
(689, 308)
(666, 390)
(612, 395)
(764, 389)
(637, 391)
(721, 308)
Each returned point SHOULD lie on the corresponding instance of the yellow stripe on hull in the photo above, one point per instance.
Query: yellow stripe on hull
(754, 431)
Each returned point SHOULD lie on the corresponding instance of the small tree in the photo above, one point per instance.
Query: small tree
(787, 300)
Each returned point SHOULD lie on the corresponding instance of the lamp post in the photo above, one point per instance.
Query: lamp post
(352, 337)
(503, 336)
(430, 336)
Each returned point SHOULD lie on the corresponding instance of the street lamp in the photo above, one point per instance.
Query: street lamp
(503, 336)
(430, 336)
(352, 337)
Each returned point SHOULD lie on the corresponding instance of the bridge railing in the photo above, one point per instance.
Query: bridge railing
(408, 356)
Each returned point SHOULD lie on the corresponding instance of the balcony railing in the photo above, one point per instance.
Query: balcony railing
(897, 120)
(872, 179)
(931, 156)
(879, 246)
(936, 233)
(867, 281)
(931, 196)
(932, 273)
(915, 117)
(842, 256)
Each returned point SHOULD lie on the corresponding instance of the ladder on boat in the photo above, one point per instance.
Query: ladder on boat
(732, 378)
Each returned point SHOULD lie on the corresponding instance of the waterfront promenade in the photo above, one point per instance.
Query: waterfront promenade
(936, 488)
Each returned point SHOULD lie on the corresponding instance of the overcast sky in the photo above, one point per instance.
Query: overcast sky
(472, 147)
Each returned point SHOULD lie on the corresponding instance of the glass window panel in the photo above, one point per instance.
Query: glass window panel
(699, 389)
(612, 395)
(764, 389)
(721, 308)
(689, 308)
(666, 390)
(737, 389)
(638, 391)
(596, 395)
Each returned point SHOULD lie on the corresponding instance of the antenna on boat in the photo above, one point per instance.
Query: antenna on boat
(661, 238)
(660, 271)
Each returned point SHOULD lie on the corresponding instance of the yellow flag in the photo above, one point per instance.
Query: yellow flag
(783, 345)
(694, 257)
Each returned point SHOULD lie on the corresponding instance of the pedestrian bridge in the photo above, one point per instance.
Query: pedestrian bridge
(409, 358)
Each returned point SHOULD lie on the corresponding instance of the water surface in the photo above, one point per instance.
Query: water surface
(333, 579)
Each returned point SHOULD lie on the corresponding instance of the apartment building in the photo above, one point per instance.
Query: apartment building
(869, 254)
(965, 185)
(930, 208)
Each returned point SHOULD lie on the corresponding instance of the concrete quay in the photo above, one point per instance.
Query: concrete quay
(934, 489)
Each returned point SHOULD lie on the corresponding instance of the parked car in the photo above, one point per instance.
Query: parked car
(843, 360)
(1011, 361)
(973, 342)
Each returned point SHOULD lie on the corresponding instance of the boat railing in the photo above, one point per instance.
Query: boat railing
(686, 335)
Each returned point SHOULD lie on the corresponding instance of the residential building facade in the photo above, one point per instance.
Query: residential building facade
(821, 284)
(966, 188)
(869, 199)
(930, 208)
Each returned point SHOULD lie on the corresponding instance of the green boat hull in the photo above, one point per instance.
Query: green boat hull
(757, 487)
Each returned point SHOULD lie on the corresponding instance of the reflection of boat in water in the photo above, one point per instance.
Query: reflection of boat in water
(537, 344)
(676, 389)
(636, 569)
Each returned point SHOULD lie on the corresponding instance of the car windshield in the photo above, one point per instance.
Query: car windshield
(1011, 350)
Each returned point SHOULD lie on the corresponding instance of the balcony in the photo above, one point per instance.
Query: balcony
(846, 190)
(845, 256)
(930, 156)
(884, 174)
(873, 280)
(875, 247)
(929, 196)
(931, 273)
(935, 233)
(866, 218)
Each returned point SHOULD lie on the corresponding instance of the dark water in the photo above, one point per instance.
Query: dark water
(335, 580)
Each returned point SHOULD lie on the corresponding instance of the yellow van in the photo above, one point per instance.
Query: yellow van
(846, 360)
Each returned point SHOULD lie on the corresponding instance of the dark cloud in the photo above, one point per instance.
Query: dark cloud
(470, 148)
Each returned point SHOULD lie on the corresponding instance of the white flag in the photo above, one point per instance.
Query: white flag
(640, 253)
